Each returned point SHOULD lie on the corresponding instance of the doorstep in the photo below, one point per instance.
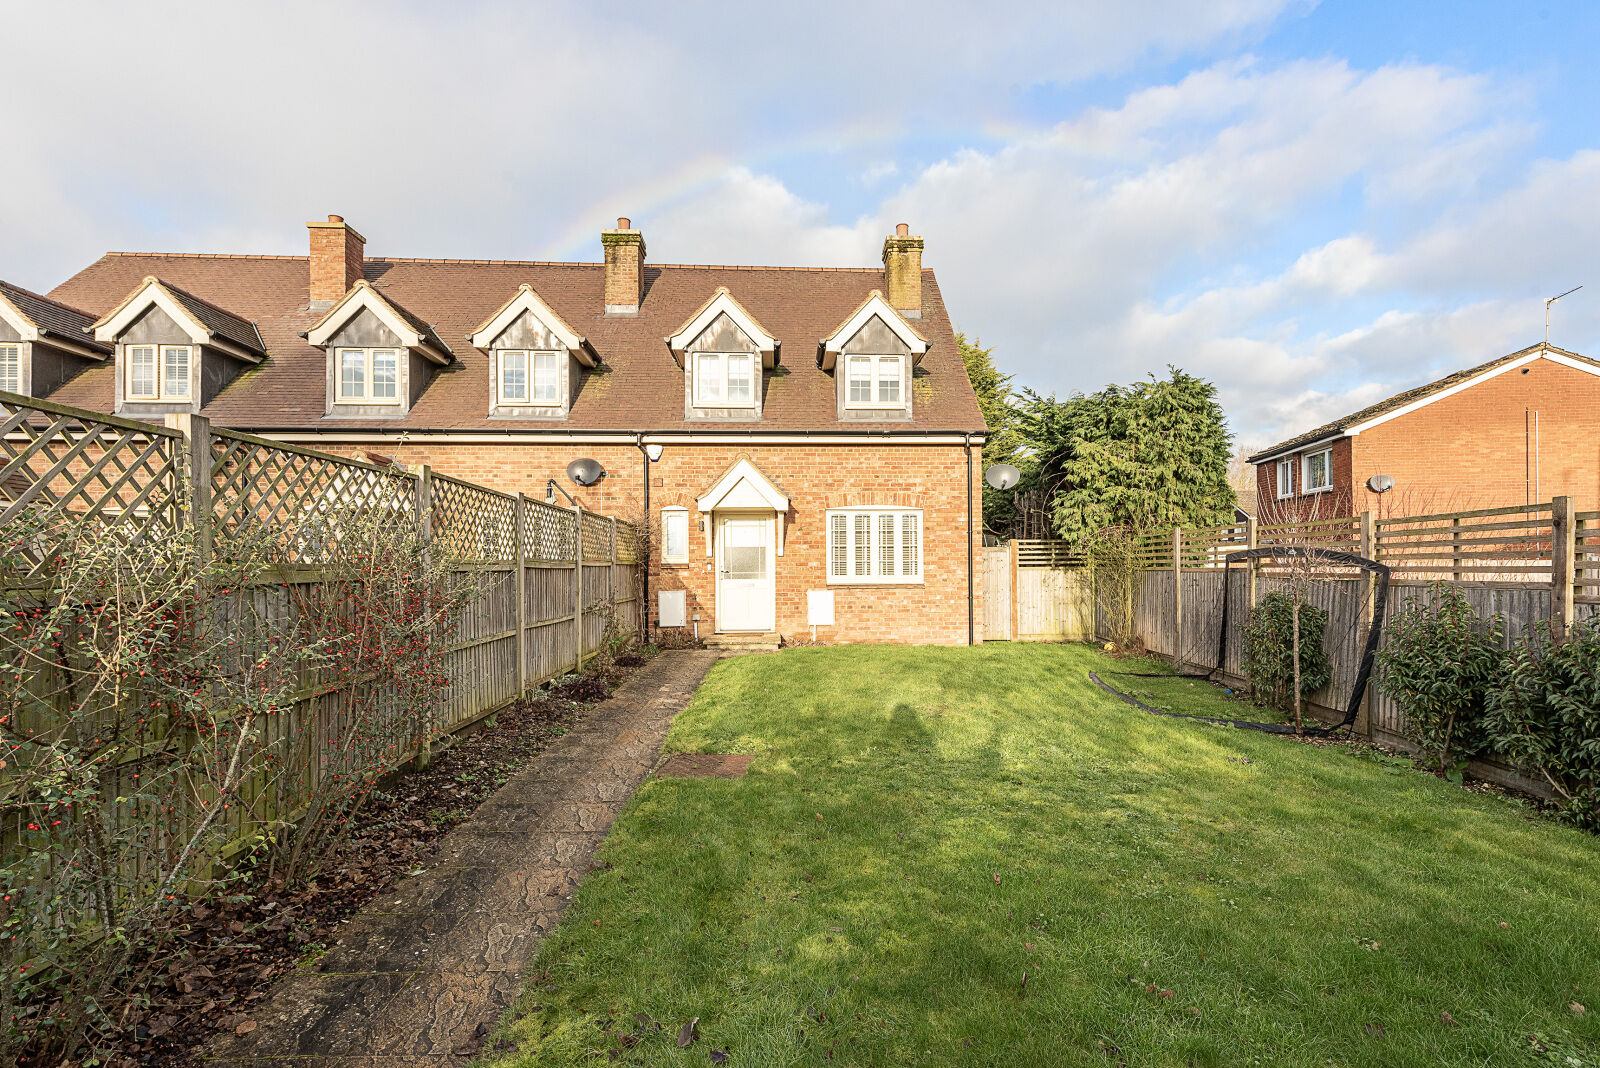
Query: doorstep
(748, 642)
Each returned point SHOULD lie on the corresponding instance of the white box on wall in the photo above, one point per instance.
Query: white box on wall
(819, 608)
(671, 608)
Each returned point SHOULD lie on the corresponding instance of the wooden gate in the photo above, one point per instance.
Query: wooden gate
(998, 595)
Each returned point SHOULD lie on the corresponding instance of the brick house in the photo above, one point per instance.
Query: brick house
(1516, 430)
(803, 442)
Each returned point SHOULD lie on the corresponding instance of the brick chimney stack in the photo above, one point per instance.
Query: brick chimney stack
(624, 248)
(338, 259)
(902, 271)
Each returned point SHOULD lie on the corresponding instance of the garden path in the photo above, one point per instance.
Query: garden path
(425, 970)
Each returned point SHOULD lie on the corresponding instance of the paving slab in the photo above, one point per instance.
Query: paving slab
(427, 966)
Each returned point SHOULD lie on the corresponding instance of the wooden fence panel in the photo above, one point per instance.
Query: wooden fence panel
(997, 593)
(1053, 604)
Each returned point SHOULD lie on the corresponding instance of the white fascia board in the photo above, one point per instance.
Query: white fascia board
(526, 300)
(151, 292)
(1423, 402)
(363, 296)
(723, 303)
(874, 305)
(602, 437)
(744, 471)
(1290, 450)
(19, 322)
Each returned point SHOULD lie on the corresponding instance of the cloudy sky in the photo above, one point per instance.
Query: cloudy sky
(1313, 205)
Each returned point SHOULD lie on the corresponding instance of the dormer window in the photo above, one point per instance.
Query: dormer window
(724, 380)
(530, 377)
(159, 372)
(872, 356)
(536, 361)
(875, 382)
(369, 376)
(723, 351)
(11, 368)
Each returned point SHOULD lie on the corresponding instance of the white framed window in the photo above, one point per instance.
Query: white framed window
(367, 376)
(875, 545)
(1318, 473)
(530, 377)
(1285, 479)
(674, 535)
(874, 382)
(724, 380)
(11, 368)
(158, 372)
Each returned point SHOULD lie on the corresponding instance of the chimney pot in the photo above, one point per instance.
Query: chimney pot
(902, 271)
(337, 261)
(624, 250)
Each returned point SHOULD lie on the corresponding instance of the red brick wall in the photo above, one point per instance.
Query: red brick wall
(1326, 504)
(815, 477)
(1471, 450)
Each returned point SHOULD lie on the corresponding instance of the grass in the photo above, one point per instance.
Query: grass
(921, 827)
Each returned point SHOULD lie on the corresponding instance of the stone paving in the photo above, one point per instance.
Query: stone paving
(424, 971)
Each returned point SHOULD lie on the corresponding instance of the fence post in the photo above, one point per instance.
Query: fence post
(577, 573)
(1177, 597)
(424, 519)
(1369, 549)
(521, 518)
(611, 570)
(1455, 548)
(1250, 542)
(1015, 566)
(196, 431)
(1563, 554)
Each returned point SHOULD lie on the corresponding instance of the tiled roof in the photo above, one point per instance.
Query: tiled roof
(54, 318)
(1410, 396)
(223, 323)
(637, 387)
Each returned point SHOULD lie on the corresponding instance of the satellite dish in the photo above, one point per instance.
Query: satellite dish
(1380, 483)
(1002, 476)
(585, 472)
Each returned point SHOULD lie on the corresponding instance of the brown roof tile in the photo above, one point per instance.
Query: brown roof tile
(54, 318)
(639, 386)
(1400, 400)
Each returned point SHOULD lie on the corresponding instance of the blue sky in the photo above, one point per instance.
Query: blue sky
(1314, 205)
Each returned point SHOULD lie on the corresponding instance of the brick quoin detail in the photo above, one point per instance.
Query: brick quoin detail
(816, 478)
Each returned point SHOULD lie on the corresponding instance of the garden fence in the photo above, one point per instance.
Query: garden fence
(547, 585)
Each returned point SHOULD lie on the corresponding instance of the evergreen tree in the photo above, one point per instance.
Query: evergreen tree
(1005, 443)
(1149, 456)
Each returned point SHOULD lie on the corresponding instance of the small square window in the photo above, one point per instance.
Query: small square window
(158, 372)
(368, 376)
(1318, 472)
(724, 380)
(874, 382)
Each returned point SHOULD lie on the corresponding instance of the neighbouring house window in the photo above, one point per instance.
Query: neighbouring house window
(724, 380)
(873, 382)
(874, 545)
(1319, 471)
(530, 377)
(369, 375)
(1285, 478)
(158, 372)
(674, 536)
(11, 368)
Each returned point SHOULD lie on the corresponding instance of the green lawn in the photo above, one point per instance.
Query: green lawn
(921, 827)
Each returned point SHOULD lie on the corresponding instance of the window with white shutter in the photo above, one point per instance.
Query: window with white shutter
(11, 368)
(874, 545)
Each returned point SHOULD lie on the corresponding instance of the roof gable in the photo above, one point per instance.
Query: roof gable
(526, 301)
(204, 322)
(38, 318)
(412, 331)
(873, 306)
(720, 304)
(744, 485)
(1410, 400)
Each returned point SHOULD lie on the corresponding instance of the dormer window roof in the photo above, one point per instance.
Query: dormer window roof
(202, 321)
(720, 304)
(38, 318)
(874, 306)
(526, 301)
(414, 333)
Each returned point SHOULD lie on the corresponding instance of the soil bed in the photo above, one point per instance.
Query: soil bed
(225, 955)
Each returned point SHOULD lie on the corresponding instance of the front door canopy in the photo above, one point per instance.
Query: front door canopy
(744, 486)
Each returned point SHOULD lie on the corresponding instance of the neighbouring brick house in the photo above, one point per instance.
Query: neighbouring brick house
(803, 441)
(1516, 430)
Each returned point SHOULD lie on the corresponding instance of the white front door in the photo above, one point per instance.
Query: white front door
(745, 588)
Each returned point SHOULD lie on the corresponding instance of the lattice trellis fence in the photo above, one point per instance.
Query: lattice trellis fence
(473, 523)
